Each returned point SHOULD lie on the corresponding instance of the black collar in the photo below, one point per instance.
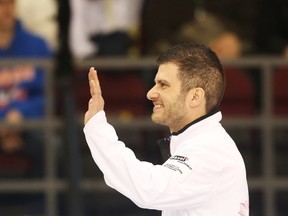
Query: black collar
(195, 121)
(164, 143)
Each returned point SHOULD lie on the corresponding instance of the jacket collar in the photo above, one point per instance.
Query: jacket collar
(195, 121)
(164, 143)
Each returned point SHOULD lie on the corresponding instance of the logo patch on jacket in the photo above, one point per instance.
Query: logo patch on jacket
(178, 163)
(179, 158)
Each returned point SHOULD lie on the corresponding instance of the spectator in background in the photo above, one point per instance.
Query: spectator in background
(40, 17)
(167, 26)
(104, 27)
(21, 86)
(109, 28)
(206, 28)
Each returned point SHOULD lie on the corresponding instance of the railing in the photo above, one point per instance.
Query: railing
(51, 185)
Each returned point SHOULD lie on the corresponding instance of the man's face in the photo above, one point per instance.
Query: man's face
(169, 105)
(7, 14)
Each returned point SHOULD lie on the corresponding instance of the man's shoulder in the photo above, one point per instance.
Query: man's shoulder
(33, 43)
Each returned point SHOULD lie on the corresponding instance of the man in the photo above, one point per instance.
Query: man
(205, 173)
(22, 86)
(104, 27)
(22, 93)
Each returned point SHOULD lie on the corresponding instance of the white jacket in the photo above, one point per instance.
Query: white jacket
(205, 176)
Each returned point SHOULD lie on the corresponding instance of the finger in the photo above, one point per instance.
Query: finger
(91, 73)
(94, 82)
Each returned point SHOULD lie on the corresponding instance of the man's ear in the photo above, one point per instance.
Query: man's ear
(196, 96)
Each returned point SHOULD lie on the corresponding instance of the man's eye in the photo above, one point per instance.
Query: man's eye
(163, 85)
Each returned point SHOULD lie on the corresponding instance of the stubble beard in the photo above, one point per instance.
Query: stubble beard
(171, 116)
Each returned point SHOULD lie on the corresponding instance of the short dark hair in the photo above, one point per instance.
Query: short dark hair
(198, 66)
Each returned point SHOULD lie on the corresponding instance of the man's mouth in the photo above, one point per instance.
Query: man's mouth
(158, 106)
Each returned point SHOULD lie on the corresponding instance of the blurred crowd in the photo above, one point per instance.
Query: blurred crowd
(68, 30)
(145, 27)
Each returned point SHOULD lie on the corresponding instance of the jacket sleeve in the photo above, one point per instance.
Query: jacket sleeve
(167, 186)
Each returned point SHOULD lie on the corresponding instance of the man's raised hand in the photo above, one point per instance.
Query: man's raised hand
(96, 102)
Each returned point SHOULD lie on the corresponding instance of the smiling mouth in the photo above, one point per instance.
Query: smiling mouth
(158, 106)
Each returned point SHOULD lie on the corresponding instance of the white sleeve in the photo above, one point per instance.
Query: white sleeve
(148, 186)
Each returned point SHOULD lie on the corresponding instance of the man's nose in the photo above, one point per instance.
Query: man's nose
(152, 94)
